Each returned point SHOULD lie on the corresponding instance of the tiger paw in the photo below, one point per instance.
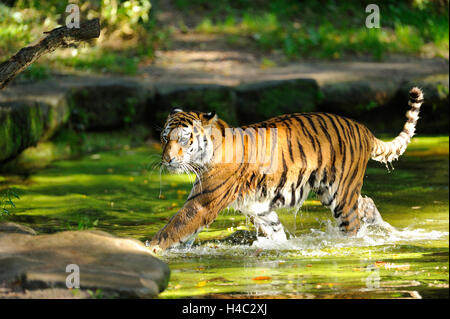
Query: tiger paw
(154, 249)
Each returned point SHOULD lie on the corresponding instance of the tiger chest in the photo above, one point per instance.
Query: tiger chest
(265, 199)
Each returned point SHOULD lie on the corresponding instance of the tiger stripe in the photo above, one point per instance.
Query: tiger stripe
(322, 152)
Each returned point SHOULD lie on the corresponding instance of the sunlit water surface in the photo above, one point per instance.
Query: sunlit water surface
(117, 192)
(377, 263)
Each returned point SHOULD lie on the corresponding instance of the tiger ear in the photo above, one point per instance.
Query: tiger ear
(210, 117)
(176, 109)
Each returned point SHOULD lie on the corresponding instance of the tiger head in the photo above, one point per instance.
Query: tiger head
(187, 141)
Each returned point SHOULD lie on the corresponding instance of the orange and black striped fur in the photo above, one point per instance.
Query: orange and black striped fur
(318, 152)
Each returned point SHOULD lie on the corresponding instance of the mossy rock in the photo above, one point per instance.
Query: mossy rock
(355, 98)
(24, 123)
(108, 105)
(203, 98)
(261, 101)
(22, 126)
(382, 104)
(241, 237)
(389, 117)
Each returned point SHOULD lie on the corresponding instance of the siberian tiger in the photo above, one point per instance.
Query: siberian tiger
(318, 152)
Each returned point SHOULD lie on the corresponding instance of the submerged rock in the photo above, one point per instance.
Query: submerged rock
(108, 265)
(241, 237)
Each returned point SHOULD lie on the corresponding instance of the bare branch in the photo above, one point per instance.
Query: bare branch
(59, 37)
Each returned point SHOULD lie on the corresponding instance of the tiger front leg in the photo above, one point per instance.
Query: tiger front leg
(183, 227)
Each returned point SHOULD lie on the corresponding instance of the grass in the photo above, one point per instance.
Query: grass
(327, 30)
(307, 29)
(6, 201)
(97, 59)
(128, 35)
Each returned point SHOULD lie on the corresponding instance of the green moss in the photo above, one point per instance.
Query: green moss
(22, 125)
(56, 116)
(68, 143)
(35, 124)
(5, 134)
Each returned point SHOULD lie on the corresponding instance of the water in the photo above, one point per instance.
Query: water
(377, 263)
(113, 191)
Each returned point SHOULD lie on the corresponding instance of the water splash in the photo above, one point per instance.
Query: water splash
(369, 235)
(317, 242)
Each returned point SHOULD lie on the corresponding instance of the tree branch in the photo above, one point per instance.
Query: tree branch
(59, 37)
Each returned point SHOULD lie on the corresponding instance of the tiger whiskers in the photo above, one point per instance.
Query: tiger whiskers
(161, 167)
(197, 173)
(153, 162)
(187, 171)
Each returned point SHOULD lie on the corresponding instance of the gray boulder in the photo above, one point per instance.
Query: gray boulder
(117, 267)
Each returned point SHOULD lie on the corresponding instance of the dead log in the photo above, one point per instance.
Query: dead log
(57, 38)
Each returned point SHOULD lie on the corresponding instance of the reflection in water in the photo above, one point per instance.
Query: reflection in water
(377, 263)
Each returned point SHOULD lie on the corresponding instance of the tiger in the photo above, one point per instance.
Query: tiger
(311, 152)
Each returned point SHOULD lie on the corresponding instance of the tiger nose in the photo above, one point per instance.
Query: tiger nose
(172, 151)
(167, 158)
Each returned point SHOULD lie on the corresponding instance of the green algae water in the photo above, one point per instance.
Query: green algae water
(117, 191)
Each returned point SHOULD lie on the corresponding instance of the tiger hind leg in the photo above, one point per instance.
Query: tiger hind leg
(367, 210)
(350, 213)
(369, 213)
(347, 216)
(269, 225)
(344, 209)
